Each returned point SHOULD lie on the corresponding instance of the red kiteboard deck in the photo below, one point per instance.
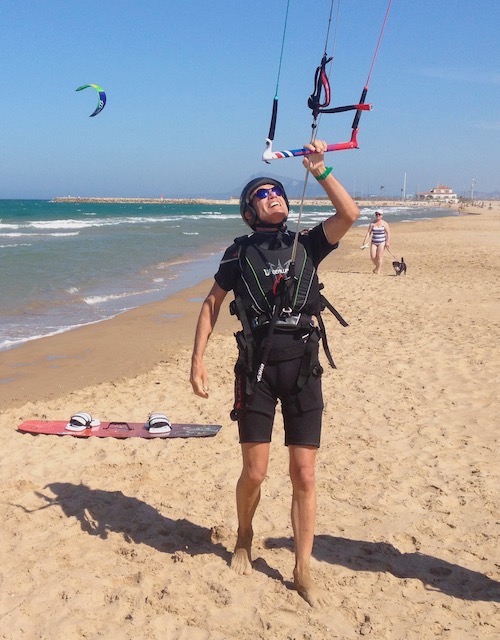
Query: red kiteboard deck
(118, 429)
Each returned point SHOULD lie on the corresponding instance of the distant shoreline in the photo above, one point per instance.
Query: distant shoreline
(316, 202)
(98, 200)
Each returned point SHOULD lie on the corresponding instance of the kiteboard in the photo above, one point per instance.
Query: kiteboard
(118, 429)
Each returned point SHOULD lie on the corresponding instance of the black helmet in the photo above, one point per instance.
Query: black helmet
(245, 198)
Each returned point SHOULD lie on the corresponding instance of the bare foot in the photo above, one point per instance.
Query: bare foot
(241, 562)
(376, 270)
(308, 590)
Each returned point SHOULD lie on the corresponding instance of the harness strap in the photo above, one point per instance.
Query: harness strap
(244, 380)
(269, 343)
(248, 342)
(330, 307)
(306, 367)
(324, 339)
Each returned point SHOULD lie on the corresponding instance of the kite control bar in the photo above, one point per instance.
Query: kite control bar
(319, 102)
(269, 154)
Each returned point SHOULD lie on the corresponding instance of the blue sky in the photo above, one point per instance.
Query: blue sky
(190, 85)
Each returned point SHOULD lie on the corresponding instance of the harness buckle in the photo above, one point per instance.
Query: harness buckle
(284, 322)
(288, 321)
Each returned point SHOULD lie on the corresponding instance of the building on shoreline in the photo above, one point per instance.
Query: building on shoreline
(441, 193)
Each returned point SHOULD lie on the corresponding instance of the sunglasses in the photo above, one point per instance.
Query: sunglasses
(264, 193)
(378, 214)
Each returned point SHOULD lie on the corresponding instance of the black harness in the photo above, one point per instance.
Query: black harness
(274, 296)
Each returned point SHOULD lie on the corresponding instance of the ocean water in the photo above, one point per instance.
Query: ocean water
(64, 265)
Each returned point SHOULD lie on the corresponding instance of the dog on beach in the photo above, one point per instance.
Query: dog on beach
(399, 267)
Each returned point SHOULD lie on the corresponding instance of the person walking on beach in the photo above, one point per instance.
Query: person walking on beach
(380, 240)
(254, 267)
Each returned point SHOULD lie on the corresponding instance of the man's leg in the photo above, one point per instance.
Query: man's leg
(302, 463)
(255, 460)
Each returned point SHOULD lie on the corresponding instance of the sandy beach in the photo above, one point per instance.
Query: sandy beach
(105, 538)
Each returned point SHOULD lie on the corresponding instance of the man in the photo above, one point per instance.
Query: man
(278, 351)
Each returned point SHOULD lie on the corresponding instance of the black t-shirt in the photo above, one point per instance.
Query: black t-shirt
(314, 241)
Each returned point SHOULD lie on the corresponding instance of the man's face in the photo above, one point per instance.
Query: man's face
(269, 203)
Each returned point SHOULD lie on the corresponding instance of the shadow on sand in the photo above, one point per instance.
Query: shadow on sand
(439, 575)
(101, 512)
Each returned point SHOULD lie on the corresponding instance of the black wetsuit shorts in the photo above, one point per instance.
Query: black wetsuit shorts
(302, 409)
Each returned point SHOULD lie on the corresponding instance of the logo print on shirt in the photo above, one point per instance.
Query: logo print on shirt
(277, 269)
